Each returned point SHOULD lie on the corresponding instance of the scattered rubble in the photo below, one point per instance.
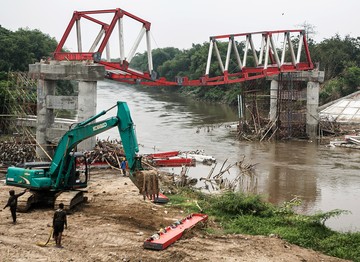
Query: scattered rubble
(245, 178)
(13, 152)
(109, 153)
(350, 141)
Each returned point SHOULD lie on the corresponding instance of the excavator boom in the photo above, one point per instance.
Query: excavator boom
(88, 129)
(61, 173)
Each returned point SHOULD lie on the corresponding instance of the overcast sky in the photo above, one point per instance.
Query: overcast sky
(182, 23)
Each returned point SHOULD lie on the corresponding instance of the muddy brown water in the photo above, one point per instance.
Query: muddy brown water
(324, 178)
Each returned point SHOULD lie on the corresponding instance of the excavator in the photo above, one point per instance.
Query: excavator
(64, 179)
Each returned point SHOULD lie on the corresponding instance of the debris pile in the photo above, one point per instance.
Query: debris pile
(183, 180)
(13, 152)
(199, 156)
(266, 130)
(328, 127)
(106, 151)
(350, 141)
(245, 179)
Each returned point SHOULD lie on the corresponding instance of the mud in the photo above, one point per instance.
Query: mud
(113, 225)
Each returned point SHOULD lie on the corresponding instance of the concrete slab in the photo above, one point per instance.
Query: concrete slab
(67, 70)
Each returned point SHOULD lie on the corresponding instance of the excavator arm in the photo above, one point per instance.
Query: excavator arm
(59, 171)
(58, 180)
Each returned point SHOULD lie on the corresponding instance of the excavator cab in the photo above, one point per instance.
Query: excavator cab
(79, 172)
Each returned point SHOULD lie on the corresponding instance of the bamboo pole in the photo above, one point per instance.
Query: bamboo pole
(40, 146)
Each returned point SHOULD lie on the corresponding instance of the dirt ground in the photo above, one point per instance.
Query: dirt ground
(113, 225)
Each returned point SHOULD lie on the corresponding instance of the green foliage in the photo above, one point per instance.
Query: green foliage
(8, 96)
(23, 47)
(351, 77)
(226, 94)
(175, 67)
(342, 85)
(214, 94)
(288, 207)
(231, 96)
(239, 213)
(185, 200)
(339, 58)
(235, 204)
(3, 77)
(65, 87)
(334, 54)
(345, 245)
(321, 217)
(159, 57)
(331, 90)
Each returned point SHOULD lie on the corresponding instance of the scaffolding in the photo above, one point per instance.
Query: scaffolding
(291, 108)
(17, 101)
(290, 118)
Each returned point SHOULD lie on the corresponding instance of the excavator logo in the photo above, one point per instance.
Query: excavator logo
(103, 125)
(26, 180)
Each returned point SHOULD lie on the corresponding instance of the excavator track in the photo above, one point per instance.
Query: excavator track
(69, 199)
(25, 201)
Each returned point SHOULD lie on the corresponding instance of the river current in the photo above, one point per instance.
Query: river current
(324, 178)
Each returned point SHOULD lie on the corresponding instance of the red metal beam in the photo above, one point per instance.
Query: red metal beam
(269, 62)
(118, 13)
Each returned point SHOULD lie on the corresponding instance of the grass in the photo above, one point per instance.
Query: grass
(239, 213)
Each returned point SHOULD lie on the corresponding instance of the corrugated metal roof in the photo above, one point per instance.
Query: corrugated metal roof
(343, 110)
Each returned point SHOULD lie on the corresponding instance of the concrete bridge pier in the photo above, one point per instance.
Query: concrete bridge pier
(87, 76)
(313, 79)
(87, 108)
(312, 105)
(274, 86)
(45, 117)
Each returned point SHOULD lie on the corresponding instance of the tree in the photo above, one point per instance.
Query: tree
(159, 57)
(351, 77)
(23, 47)
(335, 54)
(309, 29)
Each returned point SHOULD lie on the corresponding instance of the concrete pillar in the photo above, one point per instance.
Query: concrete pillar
(86, 73)
(312, 116)
(45, 117)
(86, 109)
(274, 86)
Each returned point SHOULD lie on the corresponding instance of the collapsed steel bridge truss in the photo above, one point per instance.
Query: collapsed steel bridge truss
(248, 55)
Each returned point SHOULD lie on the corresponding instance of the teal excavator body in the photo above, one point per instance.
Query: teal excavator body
(68, 169)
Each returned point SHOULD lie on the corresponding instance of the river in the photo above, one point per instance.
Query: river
(324, 178)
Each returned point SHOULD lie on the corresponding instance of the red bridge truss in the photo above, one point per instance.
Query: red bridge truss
(252, 55)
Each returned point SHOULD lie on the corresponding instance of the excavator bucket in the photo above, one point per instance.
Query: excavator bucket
(147, 181)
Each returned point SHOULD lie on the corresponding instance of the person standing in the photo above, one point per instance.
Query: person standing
(123, 166)
(59, 222)
(12, 203)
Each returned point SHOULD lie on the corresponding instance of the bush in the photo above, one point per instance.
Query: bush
(234, 204)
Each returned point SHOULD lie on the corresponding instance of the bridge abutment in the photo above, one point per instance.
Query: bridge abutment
(47, 74)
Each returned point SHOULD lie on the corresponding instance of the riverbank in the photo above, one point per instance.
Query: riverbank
(114, 223)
